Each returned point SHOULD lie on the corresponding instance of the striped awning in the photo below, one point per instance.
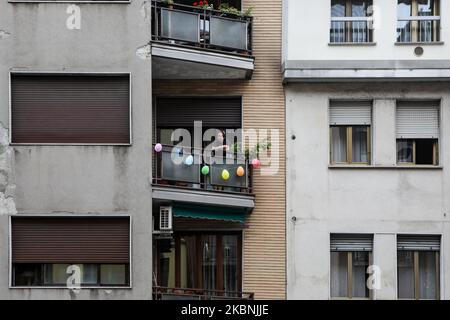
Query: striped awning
(208, 212)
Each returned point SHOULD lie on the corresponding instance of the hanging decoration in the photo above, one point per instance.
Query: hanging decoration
(256, 163)
(189, 160)
(205, 170)
(225, 174)
(240, 171)
(158, 147)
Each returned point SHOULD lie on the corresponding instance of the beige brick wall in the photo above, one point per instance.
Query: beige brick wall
(264, 252)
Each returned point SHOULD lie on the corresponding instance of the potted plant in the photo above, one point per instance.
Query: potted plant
(228, 10)
(203, 4)
(168, 3)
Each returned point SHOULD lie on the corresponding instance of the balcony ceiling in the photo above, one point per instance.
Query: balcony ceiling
(174, 62)
(192, 196)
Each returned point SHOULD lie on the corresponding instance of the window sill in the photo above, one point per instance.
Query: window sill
(436, 43)
(395, 167)
(350, 44)
(66, 288)
(70, 1)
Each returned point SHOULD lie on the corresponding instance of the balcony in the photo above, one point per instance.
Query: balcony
(163, 293)
(418, 29)
(351, 30)
(195, 43)
(181, 175)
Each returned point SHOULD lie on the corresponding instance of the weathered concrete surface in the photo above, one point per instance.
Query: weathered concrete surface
(101, 180)
(382, 201)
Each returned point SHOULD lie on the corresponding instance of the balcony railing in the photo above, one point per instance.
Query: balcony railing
(182, 167)
(163, 293)
(418, 29)
(351, 30)
(201, 28)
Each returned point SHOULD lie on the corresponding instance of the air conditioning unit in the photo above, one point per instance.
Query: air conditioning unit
(165, 218)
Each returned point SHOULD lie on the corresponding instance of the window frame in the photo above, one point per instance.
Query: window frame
(348, 19)
(98, 284)
(414, 155)
(414, 28)
(350, 277)
(68, 73)
(349, 151)
(416, 271)
(219, 258)
(27, 215)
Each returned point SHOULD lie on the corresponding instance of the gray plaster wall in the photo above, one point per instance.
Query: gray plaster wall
(382, 200)
(76, 180)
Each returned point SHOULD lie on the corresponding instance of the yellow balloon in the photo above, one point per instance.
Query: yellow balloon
(240, 171)
(225, 174)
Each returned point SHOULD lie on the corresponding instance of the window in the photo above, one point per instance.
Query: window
(351, 255)
(418, 132)
(418, 266)
(350, 138)
(200, 261)
(70, 109)
(418, 21)
(351, 21)
(28, 275)
(43, 248)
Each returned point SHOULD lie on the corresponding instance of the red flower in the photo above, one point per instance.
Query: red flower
(201, 3)
(195, 4)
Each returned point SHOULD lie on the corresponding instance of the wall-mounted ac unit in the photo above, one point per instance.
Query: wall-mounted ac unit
(165, 218)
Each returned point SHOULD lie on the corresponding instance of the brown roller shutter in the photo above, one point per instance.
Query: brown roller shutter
(70, 240)
(214, 112)
(79, 109)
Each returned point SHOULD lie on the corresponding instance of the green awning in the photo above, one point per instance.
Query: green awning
(207, 212)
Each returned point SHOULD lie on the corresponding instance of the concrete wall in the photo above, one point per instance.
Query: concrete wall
(381, 199)
(309, 33)
(101, 180)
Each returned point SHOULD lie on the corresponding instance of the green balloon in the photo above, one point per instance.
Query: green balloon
(205, 170)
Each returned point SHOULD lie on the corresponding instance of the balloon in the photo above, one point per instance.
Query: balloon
(240, 171)
(256, 163)
(225, 174)
(189, 160)
(158, 147)
(205, 170)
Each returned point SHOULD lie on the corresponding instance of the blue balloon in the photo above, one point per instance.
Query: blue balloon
(189, 160)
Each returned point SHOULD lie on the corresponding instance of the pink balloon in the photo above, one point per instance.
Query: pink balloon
(256, 163)
(158, 147)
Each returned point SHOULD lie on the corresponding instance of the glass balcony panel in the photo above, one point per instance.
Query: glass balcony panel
(179, 25)
(234, 180)
(175, 167)
(228, 33)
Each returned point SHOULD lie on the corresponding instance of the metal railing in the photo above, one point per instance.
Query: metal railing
(197, 27)
(164, 293)
(418, 29)
(351, 30)
(182, 167)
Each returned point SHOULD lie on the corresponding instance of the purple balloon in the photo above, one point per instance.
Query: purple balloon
(158, 147)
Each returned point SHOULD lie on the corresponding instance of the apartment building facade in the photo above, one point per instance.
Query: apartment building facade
(367, 108)
(92, 199)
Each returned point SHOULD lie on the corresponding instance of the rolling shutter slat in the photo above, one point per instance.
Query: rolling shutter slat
(351, 113)
(70, 240)
(417, 120)
(351, 242)
(418, 243)
(75, 109)
(214, 112)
